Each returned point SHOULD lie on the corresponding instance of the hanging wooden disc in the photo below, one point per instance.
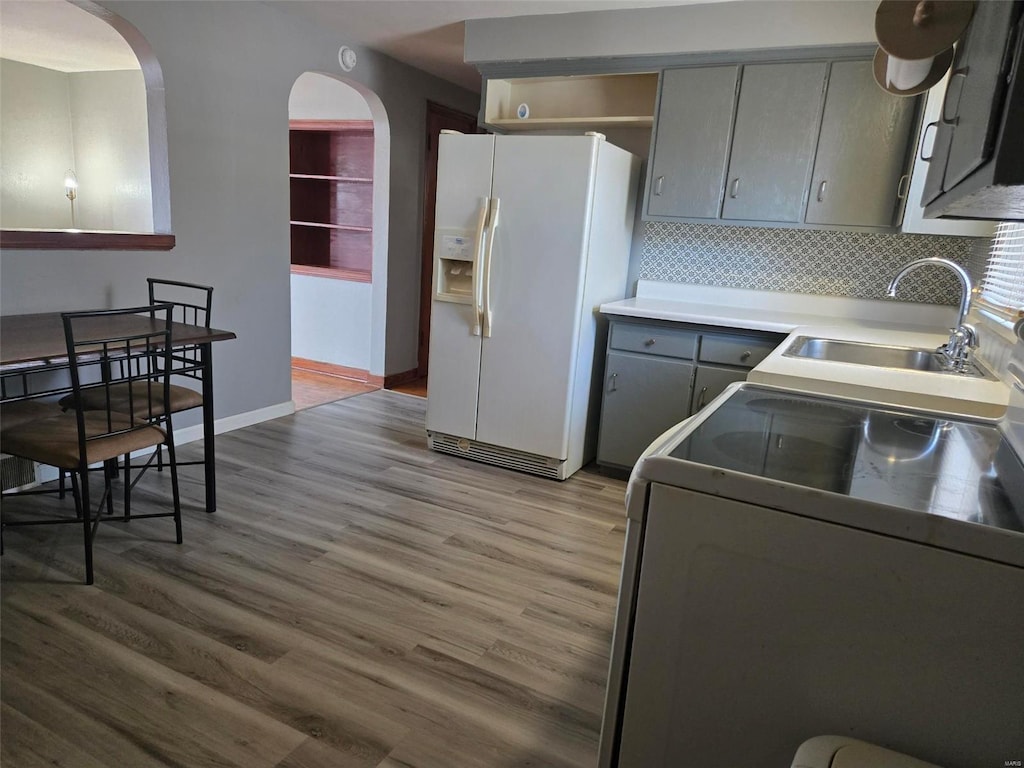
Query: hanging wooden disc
(920, 29)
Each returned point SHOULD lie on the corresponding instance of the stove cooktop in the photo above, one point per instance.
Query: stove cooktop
(944, 466)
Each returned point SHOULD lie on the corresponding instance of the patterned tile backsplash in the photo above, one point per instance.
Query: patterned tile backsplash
(857, 264)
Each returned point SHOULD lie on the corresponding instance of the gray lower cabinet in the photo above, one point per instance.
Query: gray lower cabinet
(773, 141)
(710, 381)
(692, 144)
(862, 151)
(657, 374)
(643, 396)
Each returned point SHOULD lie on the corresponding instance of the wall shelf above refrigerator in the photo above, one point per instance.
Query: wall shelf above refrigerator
(569, 103)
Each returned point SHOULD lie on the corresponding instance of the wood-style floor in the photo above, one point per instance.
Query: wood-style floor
(356, 600)
(310, 389)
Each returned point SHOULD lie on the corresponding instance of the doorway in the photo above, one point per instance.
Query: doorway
(339, 158)
(439, 118)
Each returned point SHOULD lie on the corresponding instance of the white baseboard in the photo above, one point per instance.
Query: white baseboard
(238, 421)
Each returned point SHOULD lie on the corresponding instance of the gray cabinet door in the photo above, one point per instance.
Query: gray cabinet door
(773, 143)
(966, 132)
(709, 383)
(691, 144)
(643, 396)
(862, 150)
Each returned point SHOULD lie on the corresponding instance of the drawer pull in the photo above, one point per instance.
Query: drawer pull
(745, 355)
(649, 343)
(612, 383)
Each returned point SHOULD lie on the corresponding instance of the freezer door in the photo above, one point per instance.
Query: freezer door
(544, 189)
(463, 185)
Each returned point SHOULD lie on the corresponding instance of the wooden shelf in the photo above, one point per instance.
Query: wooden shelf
(347, 179)
(581, 102)
(331, 179)
(346, 227)
(541, 123)
(333, 273)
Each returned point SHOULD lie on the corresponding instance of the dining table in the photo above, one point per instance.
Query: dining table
(32, 346)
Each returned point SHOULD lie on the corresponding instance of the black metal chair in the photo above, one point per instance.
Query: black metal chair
(190, 304)
(126, 366)
(25, 400)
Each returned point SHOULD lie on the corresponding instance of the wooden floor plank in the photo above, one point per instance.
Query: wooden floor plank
(356, 600)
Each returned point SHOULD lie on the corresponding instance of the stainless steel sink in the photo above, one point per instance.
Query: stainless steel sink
(877, 355)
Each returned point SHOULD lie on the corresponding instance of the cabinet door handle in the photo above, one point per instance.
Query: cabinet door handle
(659, 183)
(903, 187)
(612, 383)
(701, 396)
(649, 343)
(821, 190)
(745, 356)
(952, 121)
(735, 188)
(924, 140)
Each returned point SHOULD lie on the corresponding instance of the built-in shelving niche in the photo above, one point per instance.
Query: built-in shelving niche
(332, 198)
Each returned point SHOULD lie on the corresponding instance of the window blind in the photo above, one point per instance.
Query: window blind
(1002, 287)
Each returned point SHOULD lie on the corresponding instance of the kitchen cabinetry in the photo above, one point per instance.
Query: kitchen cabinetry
(813, 144)
(914, 221)
(658, 373)
(854, 182)
(977, 168)
(773, 141)
(575, 102)
(692, 142)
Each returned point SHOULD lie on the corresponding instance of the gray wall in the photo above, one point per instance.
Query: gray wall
(228, 68)
(35, 136)
(109, 128)
(675, 29)
(93, 122)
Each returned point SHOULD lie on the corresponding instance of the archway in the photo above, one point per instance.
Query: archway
(109, 127)
(340, 187)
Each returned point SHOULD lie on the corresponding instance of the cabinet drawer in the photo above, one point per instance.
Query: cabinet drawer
(653, 340)
(735, 350)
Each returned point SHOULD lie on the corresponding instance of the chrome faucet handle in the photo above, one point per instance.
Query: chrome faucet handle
(970, 335)
(956, 352)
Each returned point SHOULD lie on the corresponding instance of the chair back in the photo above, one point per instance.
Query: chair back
(192, 302)
(192, 305)
(109, 349)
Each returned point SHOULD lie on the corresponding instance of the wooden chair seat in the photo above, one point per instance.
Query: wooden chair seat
(181, 399)
(54, 440)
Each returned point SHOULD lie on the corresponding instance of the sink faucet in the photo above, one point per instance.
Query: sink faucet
(956, 352)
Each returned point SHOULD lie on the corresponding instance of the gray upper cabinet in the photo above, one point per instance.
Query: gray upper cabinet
(773, 141)
(862, 150)
(692, 144)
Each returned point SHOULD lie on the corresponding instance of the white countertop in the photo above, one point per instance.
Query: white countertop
(867, 320)
(771, 310)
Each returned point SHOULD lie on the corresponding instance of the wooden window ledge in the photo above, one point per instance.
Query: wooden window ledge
(84, 240)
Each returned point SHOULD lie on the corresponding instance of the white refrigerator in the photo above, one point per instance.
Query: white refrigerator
(532, 235)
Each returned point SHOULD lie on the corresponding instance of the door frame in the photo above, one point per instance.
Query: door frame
(438, 118)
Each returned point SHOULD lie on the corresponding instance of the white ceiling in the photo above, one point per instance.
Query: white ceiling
(427, 34)
(58, 35)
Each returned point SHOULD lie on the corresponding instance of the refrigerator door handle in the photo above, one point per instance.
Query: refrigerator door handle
(478, 265)
(492, 231)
